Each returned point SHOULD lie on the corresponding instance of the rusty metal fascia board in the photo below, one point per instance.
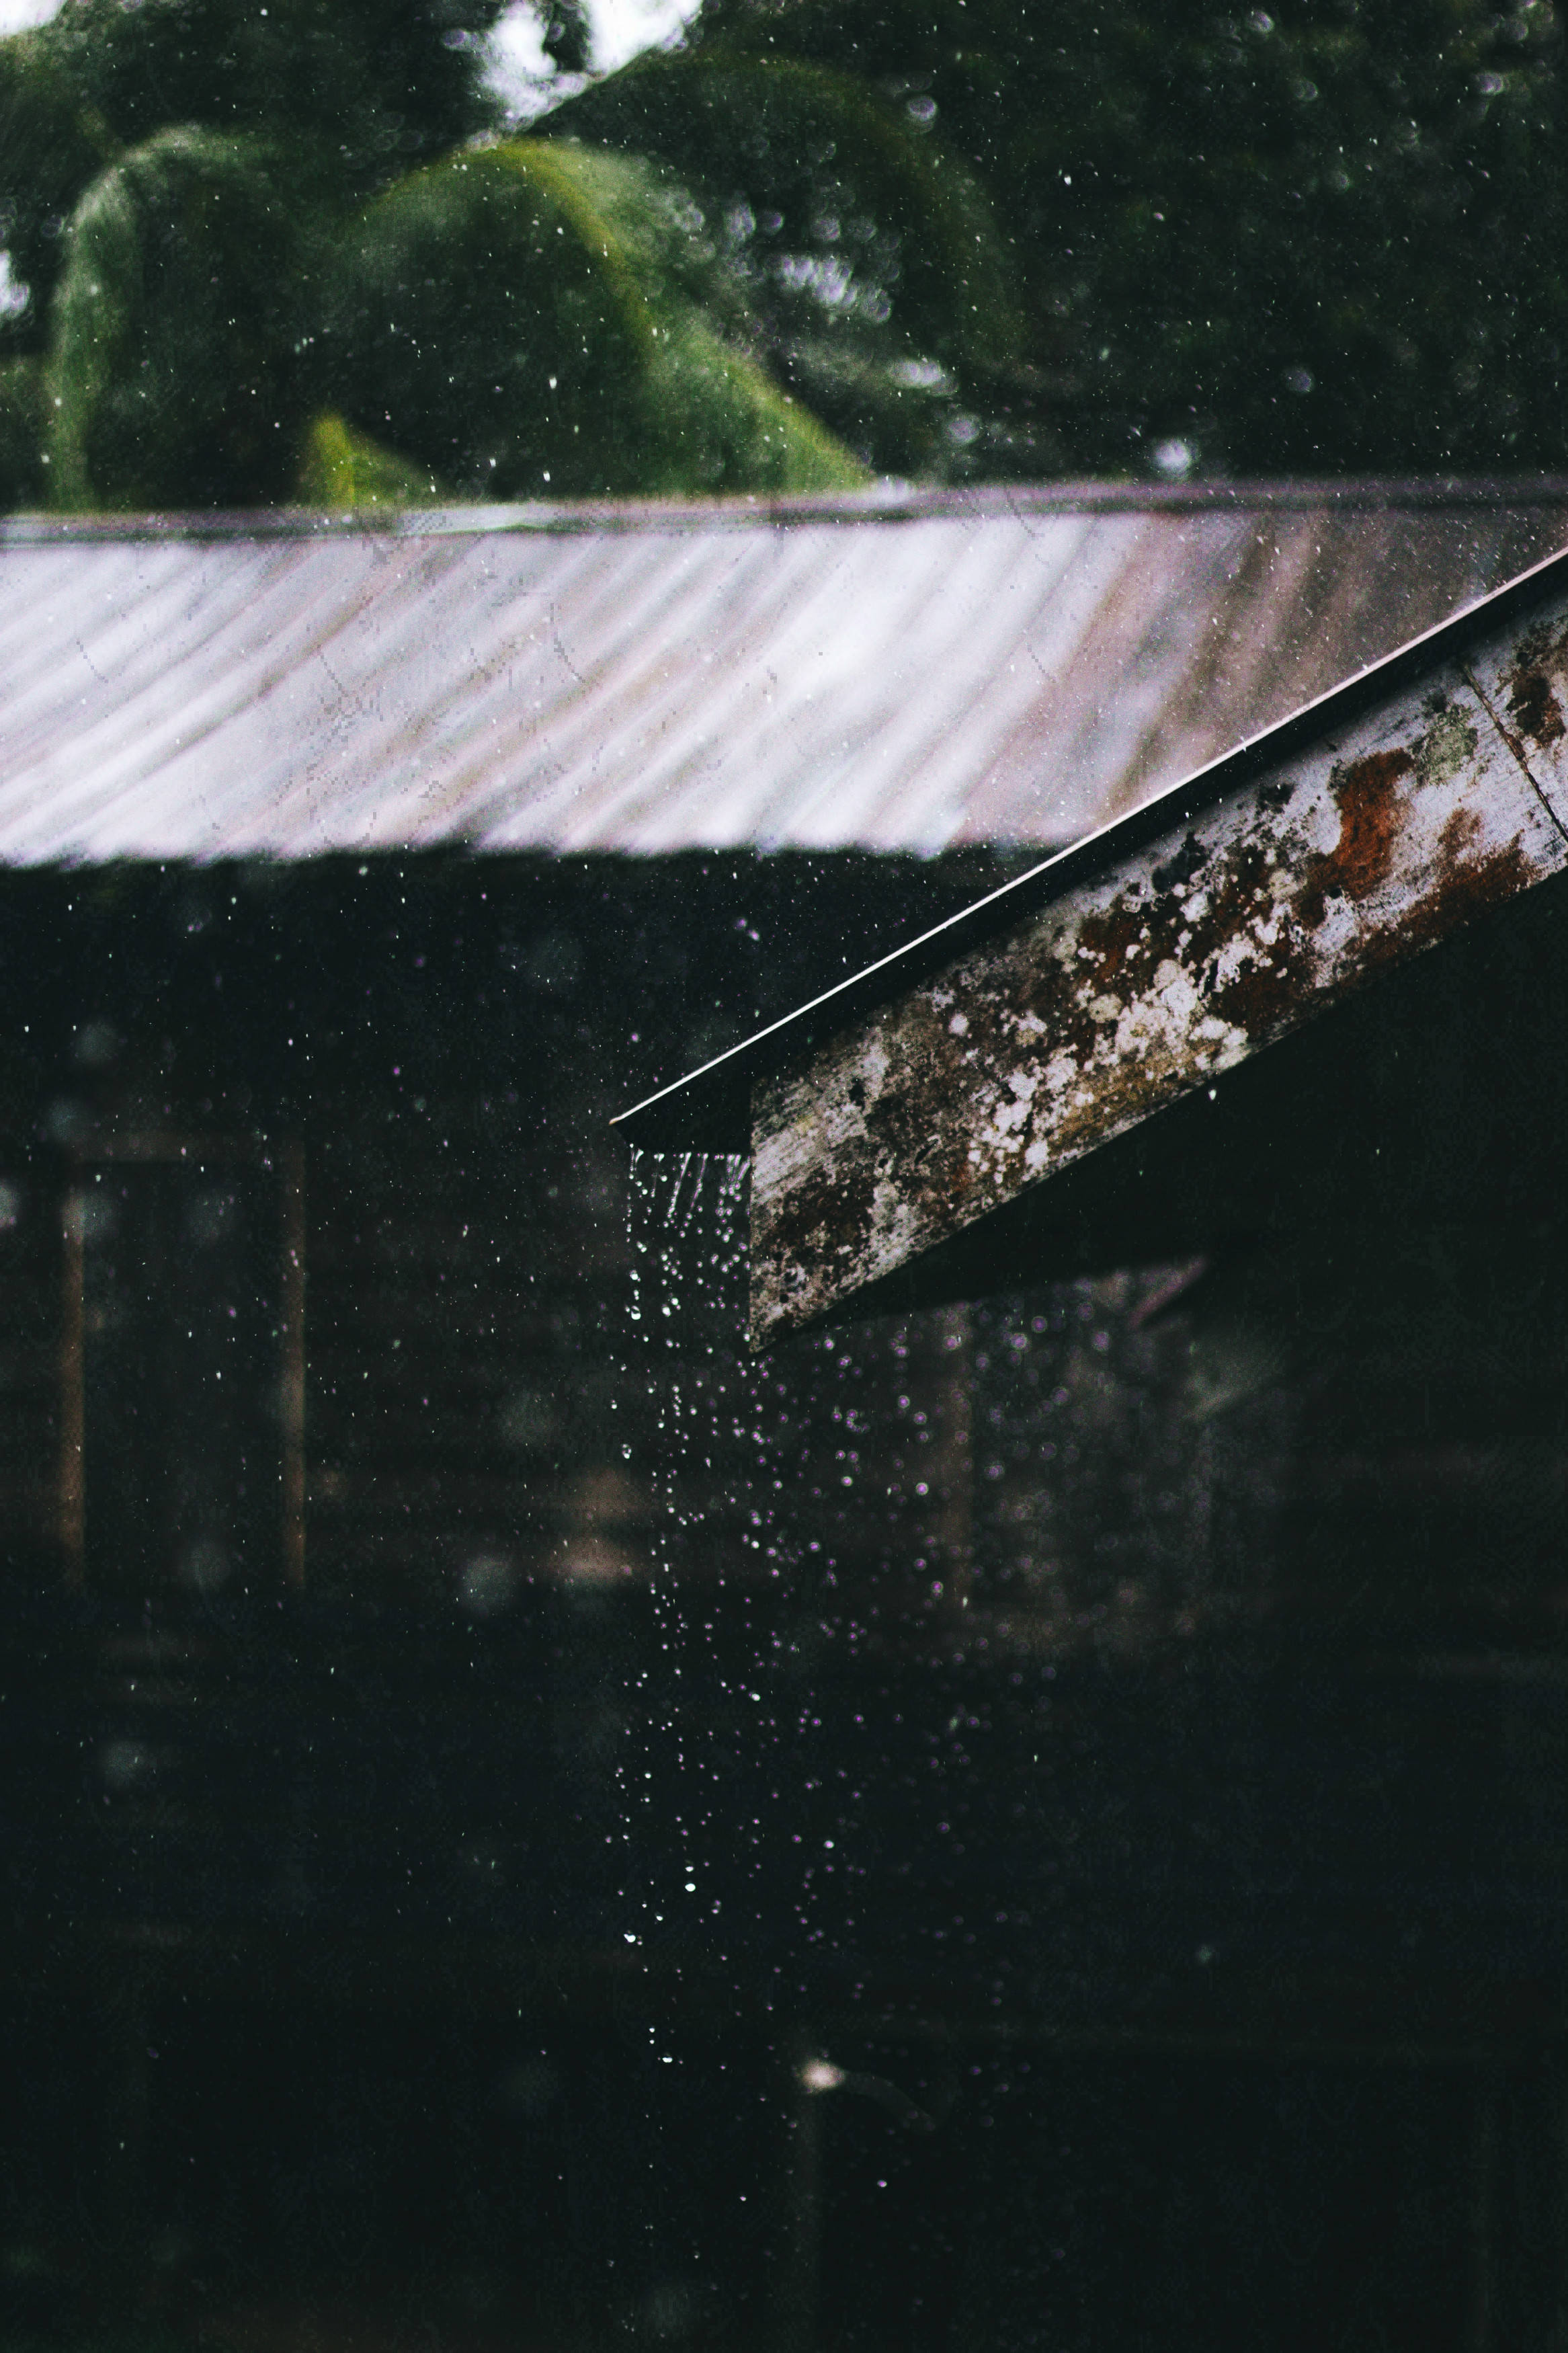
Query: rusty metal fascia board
(710, 1108)
(1069, 1005)
(1326, 865)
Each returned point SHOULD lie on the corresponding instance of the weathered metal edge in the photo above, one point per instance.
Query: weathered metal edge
(1338, 859)
(889, 501)
(710, 1106)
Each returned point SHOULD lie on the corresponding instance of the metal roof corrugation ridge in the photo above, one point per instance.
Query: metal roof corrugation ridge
(882, 501)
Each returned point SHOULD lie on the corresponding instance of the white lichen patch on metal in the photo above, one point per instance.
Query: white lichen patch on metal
(1163, 970)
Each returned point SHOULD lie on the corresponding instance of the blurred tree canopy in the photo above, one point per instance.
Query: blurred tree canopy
(1323, 236)
(262, 252)
(869, 257)
(172, 364)
(343, 97)
(534, 320)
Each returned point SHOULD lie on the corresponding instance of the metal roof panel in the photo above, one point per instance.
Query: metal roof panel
(902, 670)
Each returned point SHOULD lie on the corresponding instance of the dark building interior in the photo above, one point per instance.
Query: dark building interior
(1037, 1820)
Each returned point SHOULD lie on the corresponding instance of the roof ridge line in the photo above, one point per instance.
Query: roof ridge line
(884, 503)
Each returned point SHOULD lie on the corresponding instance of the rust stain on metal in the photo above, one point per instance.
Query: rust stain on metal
(1159, 974)
(1366, 794)
(1532, 704)
(1536, 708)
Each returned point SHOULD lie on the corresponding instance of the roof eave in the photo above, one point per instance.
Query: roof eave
(935, 1088)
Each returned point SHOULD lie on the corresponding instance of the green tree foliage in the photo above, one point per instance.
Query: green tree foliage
(52, 144)
(1317, 238)
(354, 93)
(869, 257)
(538, 319)
(201, 261)
(24, 479)
(341, 467)
(357, 90)
(173, 372)
(1322, 236)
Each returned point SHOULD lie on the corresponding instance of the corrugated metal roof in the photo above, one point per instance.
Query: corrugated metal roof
(905, 671)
